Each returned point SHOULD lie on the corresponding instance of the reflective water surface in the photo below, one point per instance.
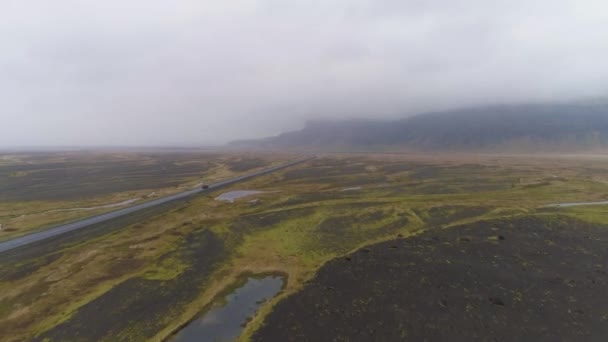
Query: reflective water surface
(226, 320)
(233, 195)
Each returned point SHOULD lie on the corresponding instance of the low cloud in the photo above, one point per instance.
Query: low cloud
(205, 72)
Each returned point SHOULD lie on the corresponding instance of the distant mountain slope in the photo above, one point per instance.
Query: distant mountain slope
(548, 127)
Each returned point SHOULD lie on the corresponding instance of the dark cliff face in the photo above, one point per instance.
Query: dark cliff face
(553, 126)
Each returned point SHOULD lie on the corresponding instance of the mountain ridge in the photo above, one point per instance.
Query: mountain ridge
(567, 127)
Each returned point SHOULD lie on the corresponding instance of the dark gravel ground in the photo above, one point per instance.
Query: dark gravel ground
(527, 279)
(138, 308)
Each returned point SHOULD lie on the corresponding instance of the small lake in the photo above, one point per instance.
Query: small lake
(227, 318)
(574, 204)
(233, 195)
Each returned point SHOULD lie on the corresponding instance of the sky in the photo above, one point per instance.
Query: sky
(200, 72)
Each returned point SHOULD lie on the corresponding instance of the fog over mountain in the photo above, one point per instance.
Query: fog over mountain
(516, 128)
(186, 72)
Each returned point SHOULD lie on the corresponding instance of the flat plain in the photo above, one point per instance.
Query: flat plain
(38, 190)
(144, 276)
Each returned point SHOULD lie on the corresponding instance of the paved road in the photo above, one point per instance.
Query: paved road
(34, 237)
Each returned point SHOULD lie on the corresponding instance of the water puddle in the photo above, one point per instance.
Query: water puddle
(574, 204)
(354, 188)
(226, 320)
(234, 195)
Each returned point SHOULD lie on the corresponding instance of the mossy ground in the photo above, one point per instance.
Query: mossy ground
(533, 277)
(304, 221)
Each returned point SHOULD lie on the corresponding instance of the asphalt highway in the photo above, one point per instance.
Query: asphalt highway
(51, 232)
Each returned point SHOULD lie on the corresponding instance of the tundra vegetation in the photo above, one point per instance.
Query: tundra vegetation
(144, 276)
(39, 190)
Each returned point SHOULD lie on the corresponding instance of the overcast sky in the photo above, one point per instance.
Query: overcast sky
(194, 72)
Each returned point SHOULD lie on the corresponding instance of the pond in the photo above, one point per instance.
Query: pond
(227, 317)
(236, 194)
